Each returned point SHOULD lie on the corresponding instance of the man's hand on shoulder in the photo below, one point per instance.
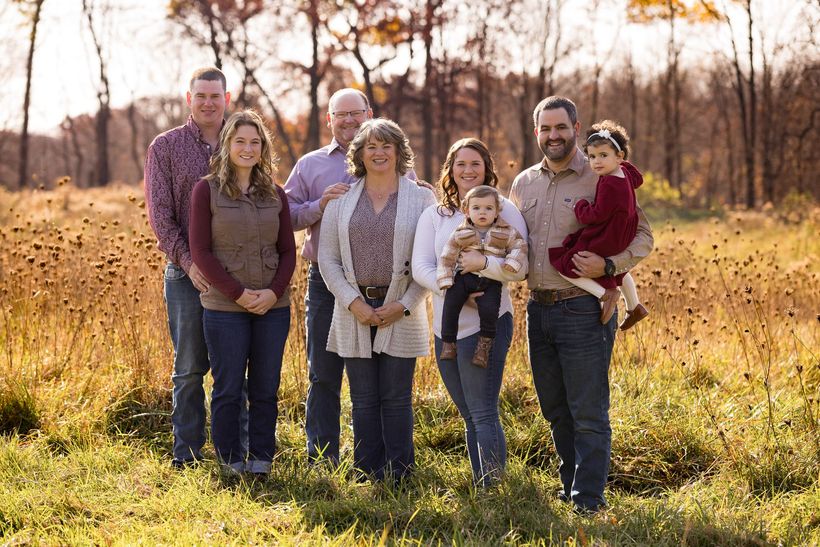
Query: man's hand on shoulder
(332, 192)
(425, 184)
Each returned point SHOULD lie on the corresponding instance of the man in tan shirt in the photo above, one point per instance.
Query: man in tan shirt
(570, 349)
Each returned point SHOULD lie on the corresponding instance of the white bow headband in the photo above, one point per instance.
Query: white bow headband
(604, 133)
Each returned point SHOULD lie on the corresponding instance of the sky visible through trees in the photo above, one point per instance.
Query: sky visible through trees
(676, 73)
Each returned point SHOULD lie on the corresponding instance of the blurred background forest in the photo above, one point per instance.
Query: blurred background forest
(720, 96)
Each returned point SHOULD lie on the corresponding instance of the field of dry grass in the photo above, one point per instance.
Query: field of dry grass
(715, 402)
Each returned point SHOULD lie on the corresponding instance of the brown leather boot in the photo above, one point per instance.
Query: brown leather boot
(633, 317)
(610, 304)
(448, 351)
(482, 351)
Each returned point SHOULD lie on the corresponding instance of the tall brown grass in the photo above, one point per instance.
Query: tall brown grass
(728, 358)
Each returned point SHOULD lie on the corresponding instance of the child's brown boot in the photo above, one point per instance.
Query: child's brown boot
(482, 351)
(448, 351)
(634, 316)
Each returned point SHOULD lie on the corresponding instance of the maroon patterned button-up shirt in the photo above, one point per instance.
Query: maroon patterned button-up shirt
(175, 161)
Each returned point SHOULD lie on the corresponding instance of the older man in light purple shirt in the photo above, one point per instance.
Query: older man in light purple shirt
(317, 178)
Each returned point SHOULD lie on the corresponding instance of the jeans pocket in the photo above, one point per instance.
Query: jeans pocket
(583, 306)
(173, 272)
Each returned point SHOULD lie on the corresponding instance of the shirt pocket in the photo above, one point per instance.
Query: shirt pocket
(565, 213)
(529, 208)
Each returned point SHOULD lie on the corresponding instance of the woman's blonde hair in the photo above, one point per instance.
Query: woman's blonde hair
(262, 186)
(382, 130)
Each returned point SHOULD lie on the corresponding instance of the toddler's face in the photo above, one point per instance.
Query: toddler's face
(603, 158)
(483, 211)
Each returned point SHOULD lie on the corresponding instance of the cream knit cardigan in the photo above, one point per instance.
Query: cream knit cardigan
(407, 337)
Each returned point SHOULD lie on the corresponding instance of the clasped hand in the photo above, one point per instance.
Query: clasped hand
(376, 317)
(257, 301)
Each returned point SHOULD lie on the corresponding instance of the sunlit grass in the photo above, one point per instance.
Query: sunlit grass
(714, 403)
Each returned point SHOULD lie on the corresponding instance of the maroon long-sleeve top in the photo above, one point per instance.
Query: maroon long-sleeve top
(611, 223)
(201, 238)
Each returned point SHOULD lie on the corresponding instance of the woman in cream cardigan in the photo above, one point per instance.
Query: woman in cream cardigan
(379, 321)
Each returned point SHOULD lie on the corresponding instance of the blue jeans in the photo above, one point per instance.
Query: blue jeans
(475, 391)
(570, 352)
(325, 371)
(240, 342)
(190, 365)
(381, 393)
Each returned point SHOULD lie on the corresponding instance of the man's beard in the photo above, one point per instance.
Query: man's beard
(565, 151)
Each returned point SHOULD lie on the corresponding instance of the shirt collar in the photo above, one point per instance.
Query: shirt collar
(334, 144)
(194, 128)
(577, 164)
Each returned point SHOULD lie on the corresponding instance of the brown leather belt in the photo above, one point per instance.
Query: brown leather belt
(548, 298)
(373, 293)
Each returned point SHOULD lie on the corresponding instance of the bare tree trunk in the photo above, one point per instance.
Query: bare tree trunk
(366, 74)
(632, 86)
(525, 123)
(315, 75)
(668, 98)
(212, 32)
(135, 148)
(23, 167)
(398, 96)
(427, 90)
(79, 162)
(750, 150)
(102, 173)
(676, 127)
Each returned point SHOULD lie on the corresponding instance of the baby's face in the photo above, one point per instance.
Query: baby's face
(483, 211)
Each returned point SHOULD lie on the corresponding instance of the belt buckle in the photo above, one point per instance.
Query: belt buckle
(367, 292)
(545, 297)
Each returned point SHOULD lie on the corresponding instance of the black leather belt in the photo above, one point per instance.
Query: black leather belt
(373, 293)
(548, 298)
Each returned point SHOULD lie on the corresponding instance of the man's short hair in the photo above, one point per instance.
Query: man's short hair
(345, 91)
(552, 103)
(210, 74)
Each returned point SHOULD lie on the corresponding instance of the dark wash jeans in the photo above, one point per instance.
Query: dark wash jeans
(381, 393)
(488, 304)
(325, 371)
(570, 351)
(190, 366)
(475, 391)
(240, 342)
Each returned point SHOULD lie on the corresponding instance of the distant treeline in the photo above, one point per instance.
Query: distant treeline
(719, 131)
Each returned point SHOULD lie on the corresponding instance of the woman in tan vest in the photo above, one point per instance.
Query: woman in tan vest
(242, 240)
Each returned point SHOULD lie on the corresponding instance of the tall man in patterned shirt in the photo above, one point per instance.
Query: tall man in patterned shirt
(317, 178)
(570, 349)
(175, 161)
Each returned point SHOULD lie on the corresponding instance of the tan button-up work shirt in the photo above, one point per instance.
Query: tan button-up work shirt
(547, 201)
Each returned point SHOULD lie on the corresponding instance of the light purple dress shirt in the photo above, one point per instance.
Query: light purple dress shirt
(311, 176)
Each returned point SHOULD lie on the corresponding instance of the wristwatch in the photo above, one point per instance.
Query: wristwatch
(406, 312)
(609, 267)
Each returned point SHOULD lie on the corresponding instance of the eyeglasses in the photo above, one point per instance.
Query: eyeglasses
(355, 114)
